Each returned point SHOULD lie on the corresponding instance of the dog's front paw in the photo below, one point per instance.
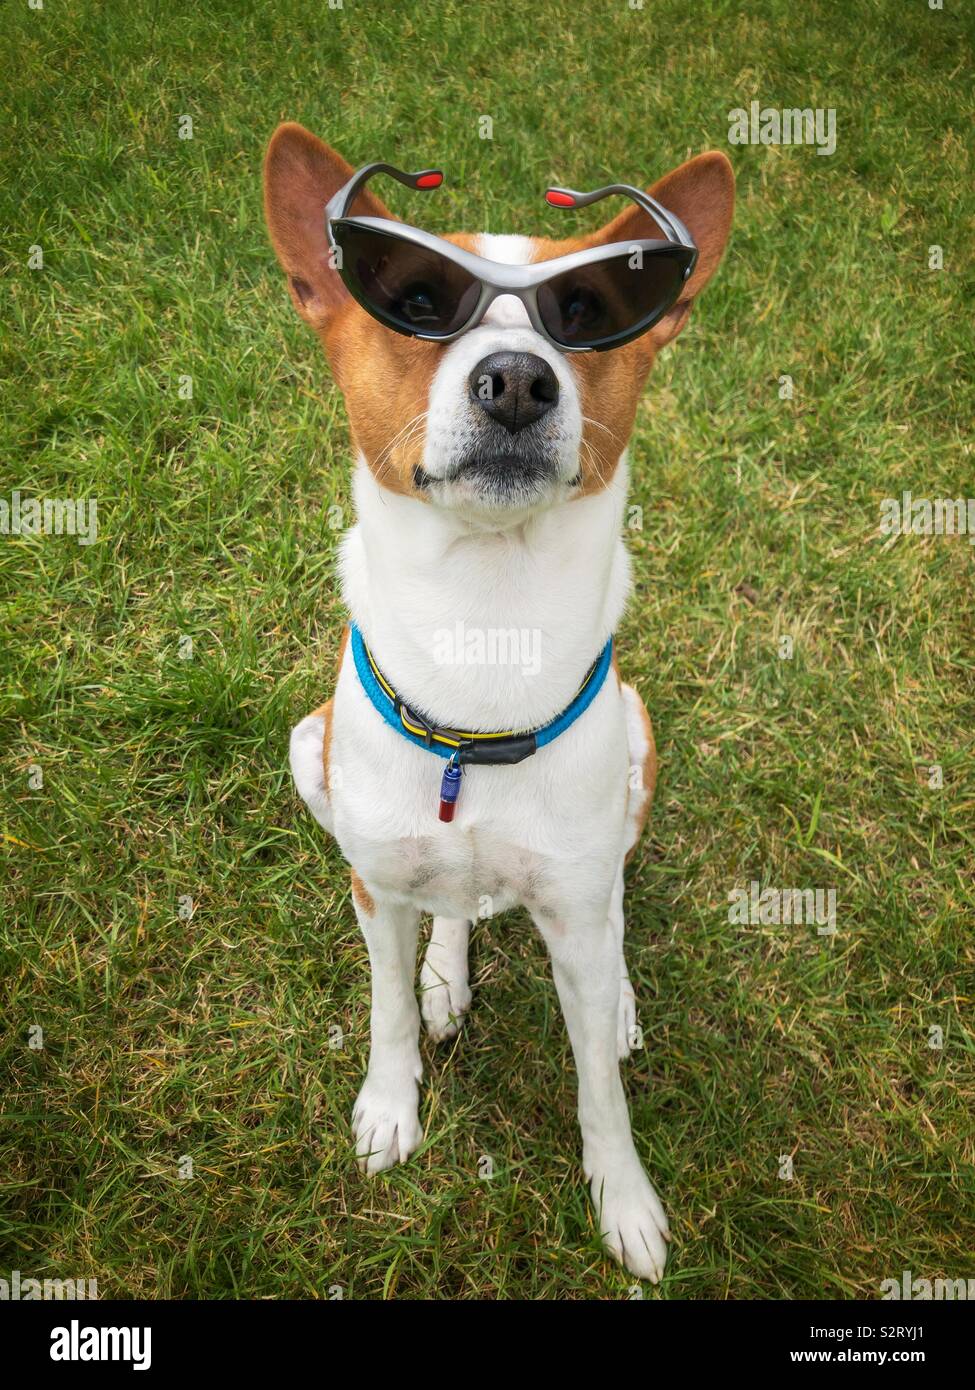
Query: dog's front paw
(632, 1222)
(386, 1122)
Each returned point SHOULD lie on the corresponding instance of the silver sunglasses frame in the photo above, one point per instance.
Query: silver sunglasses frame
(497, 278)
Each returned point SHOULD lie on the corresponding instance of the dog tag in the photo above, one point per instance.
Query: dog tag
(449, 790)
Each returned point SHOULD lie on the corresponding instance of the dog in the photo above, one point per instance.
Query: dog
(489, 485)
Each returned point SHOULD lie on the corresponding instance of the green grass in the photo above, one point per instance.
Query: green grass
(164, 777)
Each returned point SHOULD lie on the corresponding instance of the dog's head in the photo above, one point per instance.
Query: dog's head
(498, 421)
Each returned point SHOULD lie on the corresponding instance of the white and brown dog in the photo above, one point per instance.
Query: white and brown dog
(466, 524)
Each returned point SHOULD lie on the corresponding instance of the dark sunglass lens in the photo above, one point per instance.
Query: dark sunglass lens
(405, 285)
(605, 300)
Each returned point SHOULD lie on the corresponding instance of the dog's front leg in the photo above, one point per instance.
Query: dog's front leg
(385, 1120)
(586, 967)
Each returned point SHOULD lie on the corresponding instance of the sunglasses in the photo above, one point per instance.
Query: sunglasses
(425, 287)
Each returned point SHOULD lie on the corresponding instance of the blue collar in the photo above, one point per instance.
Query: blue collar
(506, 747)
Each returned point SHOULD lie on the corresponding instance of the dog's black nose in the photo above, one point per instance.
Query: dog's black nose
(515, 388)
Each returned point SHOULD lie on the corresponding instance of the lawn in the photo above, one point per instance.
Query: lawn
(153, 362)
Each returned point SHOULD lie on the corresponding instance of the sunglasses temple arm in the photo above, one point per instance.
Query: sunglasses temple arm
(668, 222)
(340, 203)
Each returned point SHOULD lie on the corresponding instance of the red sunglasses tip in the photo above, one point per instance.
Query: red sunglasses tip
(559, 200)
(432, 180)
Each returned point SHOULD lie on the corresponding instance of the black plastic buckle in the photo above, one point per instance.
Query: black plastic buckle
(502, 752)
(414, 718)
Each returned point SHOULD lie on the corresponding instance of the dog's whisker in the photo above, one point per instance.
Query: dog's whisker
(594, 459)
(408, 429)
(415, 437)
(588, 420)
(600, 426)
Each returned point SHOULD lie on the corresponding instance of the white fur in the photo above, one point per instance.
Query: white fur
(549, 833)
(509, 250)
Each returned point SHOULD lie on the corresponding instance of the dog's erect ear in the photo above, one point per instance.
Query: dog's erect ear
(301, 173)
(702, 194)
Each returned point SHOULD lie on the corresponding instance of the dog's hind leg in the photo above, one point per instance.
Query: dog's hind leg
(643, 767)
(626, 1034)
(445, 993)
(310, 742)
(642, 780)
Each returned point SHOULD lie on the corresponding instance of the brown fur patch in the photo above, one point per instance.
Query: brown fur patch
(362, 896)
(385, 379)
(325, 711)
